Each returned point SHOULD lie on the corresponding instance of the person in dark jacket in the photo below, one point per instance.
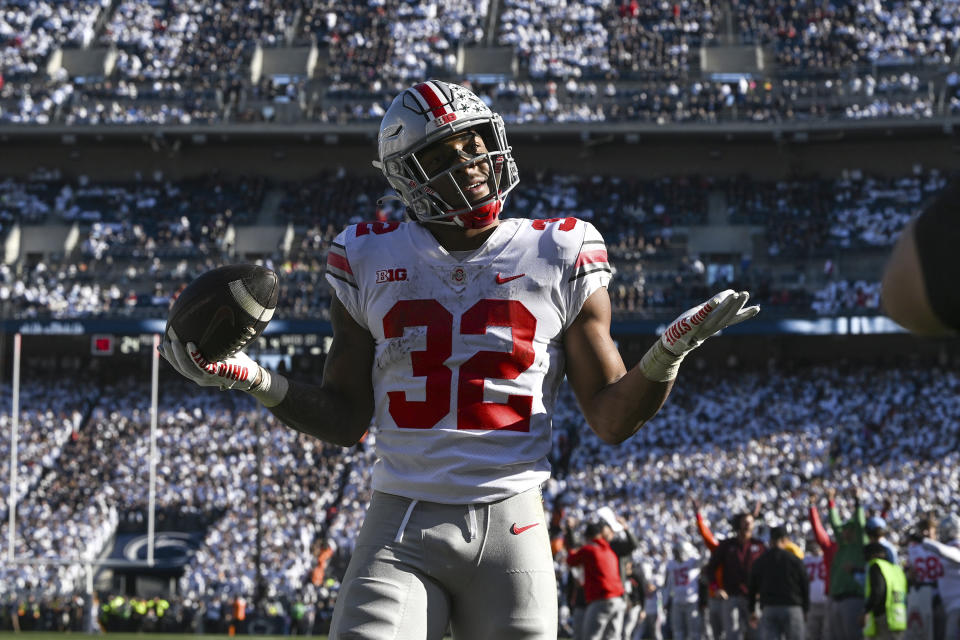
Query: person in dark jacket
(636, 595)
(624, 543)
(778, 580)
(736, 557)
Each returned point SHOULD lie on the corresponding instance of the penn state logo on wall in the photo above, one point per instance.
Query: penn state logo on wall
(170, 548)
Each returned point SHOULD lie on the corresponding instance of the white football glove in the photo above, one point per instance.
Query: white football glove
(236, 372)
(691, 328)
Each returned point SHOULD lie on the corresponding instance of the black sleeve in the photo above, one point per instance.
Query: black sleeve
(878, 592)
(624, 546)
(754, 583)
(641, 576)
(937, 236)
(307, 408)
(805, 584)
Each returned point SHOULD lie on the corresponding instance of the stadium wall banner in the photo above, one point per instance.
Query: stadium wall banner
(833, 325)
(172, 549)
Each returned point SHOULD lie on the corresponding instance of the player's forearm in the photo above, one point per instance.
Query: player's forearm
(323, 413)
(618, 410)
(945, 551)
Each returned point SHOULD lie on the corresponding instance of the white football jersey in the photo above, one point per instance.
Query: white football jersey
(925, 565)
(469, 348)
(683, 580)
(816, 567)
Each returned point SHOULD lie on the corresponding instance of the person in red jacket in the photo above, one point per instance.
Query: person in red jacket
(714, 580)
(602, 586)
(827, 544)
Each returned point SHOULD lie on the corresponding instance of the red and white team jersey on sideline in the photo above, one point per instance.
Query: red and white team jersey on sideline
(925, 566)
(683, 580)
(469, 348)
(817, 575)
(925, 569)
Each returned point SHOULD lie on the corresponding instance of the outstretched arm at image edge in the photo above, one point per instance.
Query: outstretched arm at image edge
(918, 289)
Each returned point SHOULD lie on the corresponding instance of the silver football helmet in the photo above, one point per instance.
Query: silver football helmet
(683, 551)
(425, 114)
(949, 528)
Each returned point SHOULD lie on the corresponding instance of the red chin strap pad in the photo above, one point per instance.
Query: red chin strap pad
(481, 216)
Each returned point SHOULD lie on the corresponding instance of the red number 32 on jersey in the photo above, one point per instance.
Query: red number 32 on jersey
(472, 412)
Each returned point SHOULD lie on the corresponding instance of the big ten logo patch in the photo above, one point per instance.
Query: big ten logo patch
(391, 275)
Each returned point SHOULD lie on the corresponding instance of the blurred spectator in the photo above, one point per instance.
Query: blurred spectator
(847, 569)
(779, 584)
(736, 556)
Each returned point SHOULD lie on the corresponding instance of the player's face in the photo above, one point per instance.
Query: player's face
(746, 527)
(472, 178)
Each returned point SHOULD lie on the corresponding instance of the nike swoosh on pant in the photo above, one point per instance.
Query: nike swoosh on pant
(515, 530)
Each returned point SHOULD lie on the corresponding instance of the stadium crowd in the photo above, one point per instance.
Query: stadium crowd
(190, 63)
(140, 242)
(732, 439)
(729, 438)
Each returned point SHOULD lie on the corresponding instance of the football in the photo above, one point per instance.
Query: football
(224, 309)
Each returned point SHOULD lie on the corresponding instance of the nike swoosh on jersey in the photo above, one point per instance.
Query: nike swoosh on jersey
(515, 530)
(502, 280)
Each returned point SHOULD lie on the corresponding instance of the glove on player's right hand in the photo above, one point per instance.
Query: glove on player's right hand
(236, 372)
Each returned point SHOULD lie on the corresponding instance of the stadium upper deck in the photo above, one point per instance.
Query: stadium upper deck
(189, 62)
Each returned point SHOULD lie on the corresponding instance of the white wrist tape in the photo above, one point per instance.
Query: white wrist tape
(272, 388)
(659, 364)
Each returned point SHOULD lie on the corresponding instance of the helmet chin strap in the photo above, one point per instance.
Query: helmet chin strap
(481, 216)
(475, 218)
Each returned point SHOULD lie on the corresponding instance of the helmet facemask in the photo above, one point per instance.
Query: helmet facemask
(447, 170)
(430, 172)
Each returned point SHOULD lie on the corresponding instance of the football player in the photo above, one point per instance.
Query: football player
(924, 569)
(816, 565)
(948, 582)
(452, 333)
(683, 590)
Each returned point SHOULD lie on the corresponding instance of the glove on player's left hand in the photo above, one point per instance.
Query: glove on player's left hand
(695, 325)
(236, 372)
(688, 332)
